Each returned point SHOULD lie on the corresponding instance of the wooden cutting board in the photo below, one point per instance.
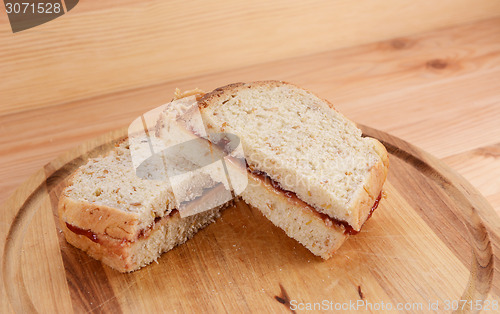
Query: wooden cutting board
(425, 243)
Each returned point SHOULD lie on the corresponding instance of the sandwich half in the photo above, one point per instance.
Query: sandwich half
(310, 170)
(126, 221)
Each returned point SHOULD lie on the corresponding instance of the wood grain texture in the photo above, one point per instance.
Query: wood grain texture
(107, 47)
(414, 249)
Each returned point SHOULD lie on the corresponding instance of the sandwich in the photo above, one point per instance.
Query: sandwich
(280, 148)
(310, 170)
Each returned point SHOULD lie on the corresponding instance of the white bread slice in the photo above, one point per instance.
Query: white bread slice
(303, 144)
(126, 221)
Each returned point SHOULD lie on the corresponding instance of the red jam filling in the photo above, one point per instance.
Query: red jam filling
(143, 233)
(89, 234)
(348, 229)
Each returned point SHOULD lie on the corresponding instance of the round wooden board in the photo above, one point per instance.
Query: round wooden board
(425, 243)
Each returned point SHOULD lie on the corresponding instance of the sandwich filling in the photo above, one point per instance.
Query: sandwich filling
(142, 234)
(348, 229)
(224, 144)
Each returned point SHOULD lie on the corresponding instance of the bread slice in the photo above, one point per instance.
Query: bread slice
(302, 144)
(125, 221)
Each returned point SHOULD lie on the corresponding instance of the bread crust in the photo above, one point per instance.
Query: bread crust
(217, 93)
(372, 187)
(111, 251)
(101, 219)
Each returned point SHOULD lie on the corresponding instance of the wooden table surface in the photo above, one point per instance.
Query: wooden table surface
(427, 72)
(435, 84)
